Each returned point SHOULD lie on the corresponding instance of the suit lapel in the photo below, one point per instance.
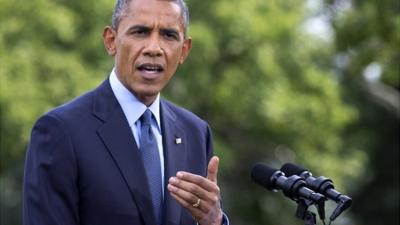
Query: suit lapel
(174, 143)
(118, 138)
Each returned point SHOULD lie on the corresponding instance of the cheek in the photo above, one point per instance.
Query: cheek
(127, 54)
(125, 49)
(175, 54)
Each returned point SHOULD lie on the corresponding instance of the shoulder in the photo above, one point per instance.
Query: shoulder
(82, 107)
(74, 108)
(55, 125)
(73, 114)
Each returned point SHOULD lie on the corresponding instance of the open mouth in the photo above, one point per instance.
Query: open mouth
(150, 68)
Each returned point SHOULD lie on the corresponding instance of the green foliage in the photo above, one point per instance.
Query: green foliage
(45, 60)
(368, 34)
(270, 91)
(371, 33)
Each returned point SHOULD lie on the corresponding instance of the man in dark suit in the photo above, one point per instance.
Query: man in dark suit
(86, 160)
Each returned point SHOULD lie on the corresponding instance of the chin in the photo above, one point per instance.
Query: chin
(147, 91)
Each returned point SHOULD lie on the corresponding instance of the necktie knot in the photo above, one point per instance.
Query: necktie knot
(145, 119)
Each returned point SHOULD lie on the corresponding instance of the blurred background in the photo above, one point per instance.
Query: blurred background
(312, 82)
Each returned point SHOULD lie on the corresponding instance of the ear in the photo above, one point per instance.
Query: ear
(187, 45)
(109, 36)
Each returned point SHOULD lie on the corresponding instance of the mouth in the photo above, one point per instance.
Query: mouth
(151, 68)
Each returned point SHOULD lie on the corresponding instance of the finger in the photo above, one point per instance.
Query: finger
(196, 213)
(187, 199)
(212, 171)
(204, 183)
(192, 188)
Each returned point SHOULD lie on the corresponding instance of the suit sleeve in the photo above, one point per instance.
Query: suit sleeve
(50, 192)
(209, 144)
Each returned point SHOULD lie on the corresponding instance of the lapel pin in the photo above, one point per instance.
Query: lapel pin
(178, 140)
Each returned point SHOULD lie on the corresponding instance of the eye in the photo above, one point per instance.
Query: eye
(138, 31)
(170, 35)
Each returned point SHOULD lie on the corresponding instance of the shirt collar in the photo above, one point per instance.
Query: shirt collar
(131, 106)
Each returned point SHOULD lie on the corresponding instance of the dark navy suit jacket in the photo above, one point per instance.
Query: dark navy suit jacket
(83, 165)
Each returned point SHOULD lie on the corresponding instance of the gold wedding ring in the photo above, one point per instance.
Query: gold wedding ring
(197, 204)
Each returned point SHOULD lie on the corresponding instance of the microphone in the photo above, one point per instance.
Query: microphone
(293, 187)
(321, 185)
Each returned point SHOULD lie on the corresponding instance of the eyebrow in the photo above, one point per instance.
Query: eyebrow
(138, 27)
(146, 28)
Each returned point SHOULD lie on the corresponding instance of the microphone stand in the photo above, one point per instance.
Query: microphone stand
(309, 217)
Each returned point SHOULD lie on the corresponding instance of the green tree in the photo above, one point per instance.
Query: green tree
(367, 40)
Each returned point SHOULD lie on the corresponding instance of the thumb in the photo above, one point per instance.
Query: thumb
(212, 170)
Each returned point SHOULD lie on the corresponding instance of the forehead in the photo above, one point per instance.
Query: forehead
(146, 12)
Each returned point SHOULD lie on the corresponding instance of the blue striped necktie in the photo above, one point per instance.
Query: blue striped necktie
(152, 164)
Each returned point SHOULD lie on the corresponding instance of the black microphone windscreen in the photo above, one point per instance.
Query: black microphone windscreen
(291, 169)
(261, 174)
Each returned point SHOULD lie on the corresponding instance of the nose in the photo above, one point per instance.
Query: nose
(153, 48)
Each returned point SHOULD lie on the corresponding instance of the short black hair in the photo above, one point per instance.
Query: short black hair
(121, 5)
